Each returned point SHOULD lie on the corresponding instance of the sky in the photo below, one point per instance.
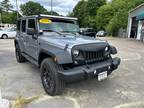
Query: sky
(63, 7)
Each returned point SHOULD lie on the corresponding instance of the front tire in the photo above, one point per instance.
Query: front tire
(19, 56)
(52, 84)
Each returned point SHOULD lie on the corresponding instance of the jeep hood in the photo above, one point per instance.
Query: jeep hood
(70, 41)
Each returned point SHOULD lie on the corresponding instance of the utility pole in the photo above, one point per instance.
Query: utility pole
(51, 7)
(0, 18)
(17, 10)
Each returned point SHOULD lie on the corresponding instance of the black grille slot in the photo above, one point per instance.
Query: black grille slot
(93, 56)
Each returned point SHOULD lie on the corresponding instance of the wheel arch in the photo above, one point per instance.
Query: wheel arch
(43, 55)
(60, 57)
(4, 34)
(15, 42)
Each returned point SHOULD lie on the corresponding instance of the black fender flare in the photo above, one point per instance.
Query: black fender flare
(62, 56)
(16, 41)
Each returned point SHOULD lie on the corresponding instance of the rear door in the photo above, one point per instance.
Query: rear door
(21, 33)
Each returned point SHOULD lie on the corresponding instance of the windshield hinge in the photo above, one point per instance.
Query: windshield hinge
(66, 47)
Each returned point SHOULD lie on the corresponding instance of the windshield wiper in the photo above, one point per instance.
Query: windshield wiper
(55, 32)
(72, 32)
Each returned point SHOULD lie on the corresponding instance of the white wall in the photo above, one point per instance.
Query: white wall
(139, 30)
(129, 26)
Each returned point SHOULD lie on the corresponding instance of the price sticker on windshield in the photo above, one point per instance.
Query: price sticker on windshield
(45, 21)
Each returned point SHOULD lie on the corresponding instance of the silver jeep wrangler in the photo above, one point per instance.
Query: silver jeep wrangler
(53, 44)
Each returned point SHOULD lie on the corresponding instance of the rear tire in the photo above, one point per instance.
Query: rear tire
(4, 36)
(52, 84)
(19, 56)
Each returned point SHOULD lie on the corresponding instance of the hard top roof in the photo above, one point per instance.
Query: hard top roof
(50, 16)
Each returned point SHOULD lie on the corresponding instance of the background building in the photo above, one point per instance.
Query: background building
(135, 22)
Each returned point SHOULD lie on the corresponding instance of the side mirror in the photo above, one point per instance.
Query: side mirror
(30, 31)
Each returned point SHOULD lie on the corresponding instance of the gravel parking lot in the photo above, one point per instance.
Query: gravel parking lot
(123, 89)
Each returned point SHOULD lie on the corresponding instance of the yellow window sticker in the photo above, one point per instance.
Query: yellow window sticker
(45, 21)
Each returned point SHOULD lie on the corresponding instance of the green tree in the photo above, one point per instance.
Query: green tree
(104, 15)
(6, 6)
(93, 6)
(6, 13)
(33, 8)
(110, 16)
(138, 2)
(118, 21)
(9, 17)
(89, 21)
(80, 12)
(0, 8)
(0, 13)
(114, 15)
(119, 16)
(86, 11)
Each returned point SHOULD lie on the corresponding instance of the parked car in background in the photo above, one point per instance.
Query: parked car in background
(8, 33)
(88, 32)
(101, 33)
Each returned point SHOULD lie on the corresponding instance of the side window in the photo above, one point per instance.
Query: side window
(12, 29)
(31, 23)
(23, 25)
(18, 25)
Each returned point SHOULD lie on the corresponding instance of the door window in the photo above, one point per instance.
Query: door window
(31, 23)
(18, 25)
(23, 25)
(13, 29)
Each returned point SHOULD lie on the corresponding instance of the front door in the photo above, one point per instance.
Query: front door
(32, 43)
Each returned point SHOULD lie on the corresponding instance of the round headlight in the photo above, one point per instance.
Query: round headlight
(106, 49)
(76, 53)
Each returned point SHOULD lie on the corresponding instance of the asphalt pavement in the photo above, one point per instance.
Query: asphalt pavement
(123, 89)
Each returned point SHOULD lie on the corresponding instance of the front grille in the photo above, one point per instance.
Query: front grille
(93, 56)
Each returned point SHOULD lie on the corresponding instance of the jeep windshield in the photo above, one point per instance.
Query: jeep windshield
(63, 26)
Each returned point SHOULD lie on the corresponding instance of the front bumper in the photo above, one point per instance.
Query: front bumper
(89, 71)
